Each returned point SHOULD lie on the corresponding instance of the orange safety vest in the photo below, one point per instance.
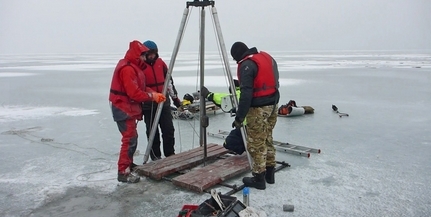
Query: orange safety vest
(264, 83)
(155, 75)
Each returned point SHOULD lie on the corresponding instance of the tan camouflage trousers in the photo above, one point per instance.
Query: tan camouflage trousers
(260, 123)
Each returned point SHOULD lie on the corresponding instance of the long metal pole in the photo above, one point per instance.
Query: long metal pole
(202, 110)
(230, 78)
(165, 86)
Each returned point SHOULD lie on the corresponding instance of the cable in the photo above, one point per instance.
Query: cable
(25, 134)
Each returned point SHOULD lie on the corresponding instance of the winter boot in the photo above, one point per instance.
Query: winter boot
(257, 181)
(269, 176)
(128, 177)
(133, 166)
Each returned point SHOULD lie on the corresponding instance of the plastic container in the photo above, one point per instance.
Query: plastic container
(246, 196)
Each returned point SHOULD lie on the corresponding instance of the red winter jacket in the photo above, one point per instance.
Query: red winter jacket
(128, 89)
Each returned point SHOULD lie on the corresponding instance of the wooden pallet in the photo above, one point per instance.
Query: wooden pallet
(184, 160)
(205, 177)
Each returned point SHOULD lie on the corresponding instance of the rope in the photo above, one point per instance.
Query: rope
(179, 133)
(27, 135)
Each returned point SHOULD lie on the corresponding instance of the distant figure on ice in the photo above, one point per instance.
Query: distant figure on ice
(128, 91)
(258, 105)
(155, 74)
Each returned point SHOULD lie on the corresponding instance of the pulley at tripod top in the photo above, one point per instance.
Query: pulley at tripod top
(200, 3)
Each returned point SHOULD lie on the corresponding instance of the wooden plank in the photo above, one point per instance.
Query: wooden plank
(144, 170)
(160, 168)
(186, 162)
(148, 168)
(215, 173)
(181, 156)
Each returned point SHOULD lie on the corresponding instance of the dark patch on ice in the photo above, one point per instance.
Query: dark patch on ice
(353, 176)
(328, 181)
(371, 194)
(126, 200)
(334, 163)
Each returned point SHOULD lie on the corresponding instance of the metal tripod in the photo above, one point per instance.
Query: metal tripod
(202, 106)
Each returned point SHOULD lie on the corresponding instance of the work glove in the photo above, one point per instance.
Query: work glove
(237, 123)
(158, 97)
(177, 102)
(205, 92)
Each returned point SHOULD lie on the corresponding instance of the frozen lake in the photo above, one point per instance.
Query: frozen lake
(59, 144)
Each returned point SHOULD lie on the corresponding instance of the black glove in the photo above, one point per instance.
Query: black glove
(236, 123)
(205, 92)
(177, 102)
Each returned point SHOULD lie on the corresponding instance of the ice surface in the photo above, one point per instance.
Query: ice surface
(60, 145)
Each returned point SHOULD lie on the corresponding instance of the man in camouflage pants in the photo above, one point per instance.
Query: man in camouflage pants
(258, 77)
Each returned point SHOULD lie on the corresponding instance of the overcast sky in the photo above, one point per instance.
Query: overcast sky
(91, 26)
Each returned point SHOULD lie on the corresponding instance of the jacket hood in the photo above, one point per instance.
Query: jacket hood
(250, 51)
(136, 48)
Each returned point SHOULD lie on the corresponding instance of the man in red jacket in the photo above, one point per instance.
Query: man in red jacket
(258, 77)
(128, 91)
(155, 74)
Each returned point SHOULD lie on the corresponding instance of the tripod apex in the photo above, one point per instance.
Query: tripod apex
(200, 3)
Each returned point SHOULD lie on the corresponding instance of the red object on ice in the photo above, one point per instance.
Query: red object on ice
(187, 210)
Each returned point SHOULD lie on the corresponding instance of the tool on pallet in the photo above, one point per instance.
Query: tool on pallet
(216, 197)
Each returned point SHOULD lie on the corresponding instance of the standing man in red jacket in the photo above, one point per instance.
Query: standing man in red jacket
(128, 91)
(155, 74)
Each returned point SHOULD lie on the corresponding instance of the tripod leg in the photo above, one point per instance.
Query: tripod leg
(224, 53)
(178, 40)
(231, 82)
(165, 87)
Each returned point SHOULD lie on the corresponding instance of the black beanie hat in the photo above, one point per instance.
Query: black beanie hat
(238, 49)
